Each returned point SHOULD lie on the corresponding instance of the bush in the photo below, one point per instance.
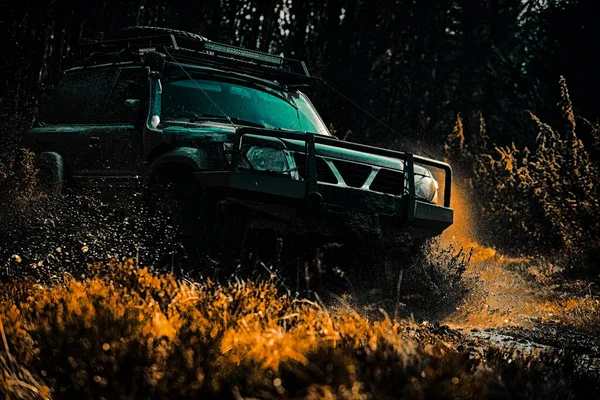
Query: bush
(545, 200)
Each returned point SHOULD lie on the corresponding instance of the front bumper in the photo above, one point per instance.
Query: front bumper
(328, 209)
(313, 206)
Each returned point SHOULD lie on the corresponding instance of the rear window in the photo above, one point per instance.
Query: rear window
(79, 98)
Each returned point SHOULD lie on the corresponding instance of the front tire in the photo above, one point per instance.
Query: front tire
(181, 222)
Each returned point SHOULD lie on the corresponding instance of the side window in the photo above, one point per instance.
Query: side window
(79, 98)
(129, 97)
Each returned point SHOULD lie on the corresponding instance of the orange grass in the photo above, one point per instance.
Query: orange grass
(539, 201)
(124, 332)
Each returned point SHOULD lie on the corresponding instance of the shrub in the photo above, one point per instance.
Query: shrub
(433, 285)
(545, 200)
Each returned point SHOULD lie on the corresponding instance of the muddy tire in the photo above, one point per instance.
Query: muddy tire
(51, 173)
(377, 271)
(181, 222)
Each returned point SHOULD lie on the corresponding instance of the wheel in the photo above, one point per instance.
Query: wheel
(395, 265)
(377, 269)
(181, 222)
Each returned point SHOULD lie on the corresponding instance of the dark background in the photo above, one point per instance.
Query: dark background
(414, 64)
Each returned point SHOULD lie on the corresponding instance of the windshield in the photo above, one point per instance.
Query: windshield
(204, 98)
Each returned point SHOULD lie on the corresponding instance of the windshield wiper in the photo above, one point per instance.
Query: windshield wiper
(212, 117)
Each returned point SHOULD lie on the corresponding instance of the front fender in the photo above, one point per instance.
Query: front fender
(193, 158)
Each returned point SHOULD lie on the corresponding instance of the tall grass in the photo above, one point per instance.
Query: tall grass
(124, 332)
(545, 200)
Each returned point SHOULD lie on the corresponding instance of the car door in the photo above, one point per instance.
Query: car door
(115, 152)
(69, 120)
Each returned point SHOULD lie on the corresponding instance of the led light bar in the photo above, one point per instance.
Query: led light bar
(236, 51)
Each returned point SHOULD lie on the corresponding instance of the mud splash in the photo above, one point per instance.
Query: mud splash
(499, 296)
(518, 302)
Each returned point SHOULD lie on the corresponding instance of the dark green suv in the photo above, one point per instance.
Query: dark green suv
(215, 128)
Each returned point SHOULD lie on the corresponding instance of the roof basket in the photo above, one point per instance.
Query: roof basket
(185, 48)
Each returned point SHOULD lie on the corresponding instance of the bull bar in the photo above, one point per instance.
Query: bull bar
(407, 207)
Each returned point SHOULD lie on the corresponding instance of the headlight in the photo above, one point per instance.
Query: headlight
(267, 159)
(262, 158)
(426, 187)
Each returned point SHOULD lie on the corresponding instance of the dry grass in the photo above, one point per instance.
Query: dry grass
(545, 200)
(124, 332)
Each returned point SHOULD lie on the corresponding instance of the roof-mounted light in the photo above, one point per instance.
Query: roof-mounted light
(236, 51)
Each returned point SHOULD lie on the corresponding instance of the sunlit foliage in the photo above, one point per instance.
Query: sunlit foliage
(545, 199)
(126, 332)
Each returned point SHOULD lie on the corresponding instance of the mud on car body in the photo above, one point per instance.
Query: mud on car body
(212, 127)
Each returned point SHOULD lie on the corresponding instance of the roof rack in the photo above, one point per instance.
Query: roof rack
(200, 51)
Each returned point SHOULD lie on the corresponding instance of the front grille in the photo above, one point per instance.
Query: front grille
(388, 181)
(324, 173)
(353, 174)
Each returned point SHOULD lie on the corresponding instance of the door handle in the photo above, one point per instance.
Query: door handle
(94, 140)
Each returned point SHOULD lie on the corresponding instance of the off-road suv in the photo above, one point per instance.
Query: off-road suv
(225, 136)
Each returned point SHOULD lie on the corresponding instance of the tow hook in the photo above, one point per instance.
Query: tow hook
(314, 200)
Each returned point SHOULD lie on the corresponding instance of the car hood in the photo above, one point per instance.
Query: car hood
(194, 130)
(185, 133)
